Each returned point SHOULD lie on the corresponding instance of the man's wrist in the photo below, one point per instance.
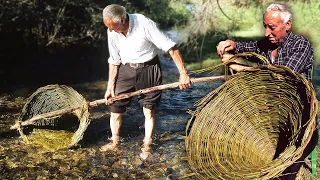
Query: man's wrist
(183, 72)
(111, 83)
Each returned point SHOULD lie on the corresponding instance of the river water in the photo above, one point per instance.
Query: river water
(19, 160)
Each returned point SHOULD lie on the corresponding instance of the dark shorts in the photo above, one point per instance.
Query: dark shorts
(131, 79)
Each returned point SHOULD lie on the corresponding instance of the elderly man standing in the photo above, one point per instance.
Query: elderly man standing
(134, 42)
(281, 47)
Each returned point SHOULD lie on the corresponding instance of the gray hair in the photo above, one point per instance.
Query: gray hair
(114, 12)
(284, 11)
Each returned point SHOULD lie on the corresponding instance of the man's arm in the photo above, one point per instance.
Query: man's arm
(184, 79)
(113, 71)
(229, 45)
(236, 64)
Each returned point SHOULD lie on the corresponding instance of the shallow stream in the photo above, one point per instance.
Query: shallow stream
(19, 160)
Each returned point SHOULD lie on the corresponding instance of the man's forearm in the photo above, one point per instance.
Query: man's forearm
(239, 67)
(178, 60)
(113, 71)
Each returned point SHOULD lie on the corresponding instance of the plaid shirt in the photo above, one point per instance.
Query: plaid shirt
(294, 52)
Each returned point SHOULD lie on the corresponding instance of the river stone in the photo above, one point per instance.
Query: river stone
(124, 161)
(115, 175)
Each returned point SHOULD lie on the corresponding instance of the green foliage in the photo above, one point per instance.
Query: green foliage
(44, 22)
(242, 20)
(65, 40)
(198, 48)
(165, 12)
(63, 22)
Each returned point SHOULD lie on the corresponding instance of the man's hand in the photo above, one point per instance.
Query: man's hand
(109, 93)
(184, 81)
(226, 57)
(225, 46)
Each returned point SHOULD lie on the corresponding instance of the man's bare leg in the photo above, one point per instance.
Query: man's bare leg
(149, 128)
(115, 124)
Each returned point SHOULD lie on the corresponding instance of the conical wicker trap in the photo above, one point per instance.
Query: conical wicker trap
(253, 126)
(55, 132)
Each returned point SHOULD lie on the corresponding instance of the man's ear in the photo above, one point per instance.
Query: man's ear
(288, 25)
(123, 21)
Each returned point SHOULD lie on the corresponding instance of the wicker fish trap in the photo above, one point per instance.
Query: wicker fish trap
(253, 126)
(56, 132)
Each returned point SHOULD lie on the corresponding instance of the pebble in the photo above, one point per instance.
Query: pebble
(115, 175)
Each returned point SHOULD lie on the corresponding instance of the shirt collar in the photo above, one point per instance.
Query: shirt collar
(130, 17)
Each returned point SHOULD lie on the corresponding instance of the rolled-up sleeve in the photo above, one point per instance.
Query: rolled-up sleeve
(157, 37)
(114, 57)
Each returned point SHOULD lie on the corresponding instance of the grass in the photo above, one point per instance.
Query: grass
(209, 62)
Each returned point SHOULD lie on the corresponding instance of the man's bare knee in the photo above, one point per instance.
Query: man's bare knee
(148, 113)
(115, 116)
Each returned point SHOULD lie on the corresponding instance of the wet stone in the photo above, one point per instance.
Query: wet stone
(136, 161)
(124, 161)
(116, 165)
(115, 175)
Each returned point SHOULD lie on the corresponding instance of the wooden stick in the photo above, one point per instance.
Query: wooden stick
(110, 100)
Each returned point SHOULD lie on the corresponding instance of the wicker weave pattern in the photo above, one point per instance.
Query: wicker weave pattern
(55, 97)
(236, 129)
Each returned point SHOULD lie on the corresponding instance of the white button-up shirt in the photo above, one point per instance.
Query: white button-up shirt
(141, 44)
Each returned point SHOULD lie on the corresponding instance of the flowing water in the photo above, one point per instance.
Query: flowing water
(19, 160)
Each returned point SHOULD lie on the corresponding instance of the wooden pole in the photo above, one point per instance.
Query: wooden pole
(112, 99)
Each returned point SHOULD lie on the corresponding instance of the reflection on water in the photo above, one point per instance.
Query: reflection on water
(19, 160)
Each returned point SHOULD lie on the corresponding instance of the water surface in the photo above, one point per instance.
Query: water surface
(19, 160)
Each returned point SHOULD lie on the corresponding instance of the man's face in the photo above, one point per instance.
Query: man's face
(275, 30)
(118, 27)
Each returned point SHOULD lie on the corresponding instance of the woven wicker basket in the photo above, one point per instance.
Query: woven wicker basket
(50, 98)
(253, 126)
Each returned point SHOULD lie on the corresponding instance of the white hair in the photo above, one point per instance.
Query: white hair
(114, 12)
(283, 9)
